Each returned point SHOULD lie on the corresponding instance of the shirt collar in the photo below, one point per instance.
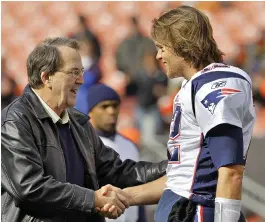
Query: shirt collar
(51, 113)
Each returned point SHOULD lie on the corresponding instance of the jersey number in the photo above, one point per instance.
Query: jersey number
(175, 124)
(174, 156)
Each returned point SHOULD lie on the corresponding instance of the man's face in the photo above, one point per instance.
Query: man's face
(67, 80)
(104, 116)
(174, 65)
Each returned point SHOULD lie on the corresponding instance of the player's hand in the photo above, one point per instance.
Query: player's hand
(111, 201)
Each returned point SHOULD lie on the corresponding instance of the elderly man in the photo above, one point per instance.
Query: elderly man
(53, 163)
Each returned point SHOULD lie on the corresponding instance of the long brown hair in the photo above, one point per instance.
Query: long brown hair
(189, 33)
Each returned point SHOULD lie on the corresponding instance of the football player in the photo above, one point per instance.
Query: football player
(210, 132)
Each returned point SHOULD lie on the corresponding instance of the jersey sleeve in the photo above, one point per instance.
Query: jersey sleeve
(222, 101)
(225, 143)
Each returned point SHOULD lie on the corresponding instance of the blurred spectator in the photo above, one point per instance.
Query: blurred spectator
(130, 52)
(259, 90)
(257, 66)
(103, 109)
(89, 35)
(92, 72)
(8, 86)
(259, 54)
(241, 57)
(151, 84)
(254, 56)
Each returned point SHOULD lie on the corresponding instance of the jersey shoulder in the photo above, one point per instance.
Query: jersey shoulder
(218, 76)
(219, 83)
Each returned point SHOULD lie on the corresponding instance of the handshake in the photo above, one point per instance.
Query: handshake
(111, 201)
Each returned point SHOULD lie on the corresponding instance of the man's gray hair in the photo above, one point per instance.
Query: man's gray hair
(46, 58)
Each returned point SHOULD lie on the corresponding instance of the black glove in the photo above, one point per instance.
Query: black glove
(182, 211)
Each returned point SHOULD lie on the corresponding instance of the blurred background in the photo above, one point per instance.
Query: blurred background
(117, 50)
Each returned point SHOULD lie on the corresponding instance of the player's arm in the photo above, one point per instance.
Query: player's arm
(148, 193)
(229, 190)
(230, 182)
(145, 194)
(225, 143)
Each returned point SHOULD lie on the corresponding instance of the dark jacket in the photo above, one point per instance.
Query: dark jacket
(33, 182)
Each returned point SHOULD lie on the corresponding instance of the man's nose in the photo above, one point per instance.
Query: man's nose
(80, 79)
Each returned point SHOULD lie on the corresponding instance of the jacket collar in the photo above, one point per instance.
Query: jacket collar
(55, 118)
(33, 99)
(41, 113)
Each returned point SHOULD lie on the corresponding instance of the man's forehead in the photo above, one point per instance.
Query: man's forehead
(70, 58)
(66, 50)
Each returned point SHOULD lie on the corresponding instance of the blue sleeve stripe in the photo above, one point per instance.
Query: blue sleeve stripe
(203, 79)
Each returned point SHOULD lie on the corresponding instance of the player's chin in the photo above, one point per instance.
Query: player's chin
(173, 75)
(170, 75)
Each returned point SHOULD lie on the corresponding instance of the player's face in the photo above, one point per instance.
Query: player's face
(104, 115)
(174, 65)
(67, 80)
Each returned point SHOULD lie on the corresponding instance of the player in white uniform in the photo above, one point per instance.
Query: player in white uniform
(218, 101)
(211, 128)
(219, 94)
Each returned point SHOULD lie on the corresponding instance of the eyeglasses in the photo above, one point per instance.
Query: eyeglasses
(74, 73)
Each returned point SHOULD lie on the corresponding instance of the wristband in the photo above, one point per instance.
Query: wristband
(227, 210)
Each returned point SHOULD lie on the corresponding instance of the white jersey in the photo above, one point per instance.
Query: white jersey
(127, 150)
(216, 95)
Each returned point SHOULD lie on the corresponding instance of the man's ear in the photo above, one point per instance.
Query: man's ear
(46, 79)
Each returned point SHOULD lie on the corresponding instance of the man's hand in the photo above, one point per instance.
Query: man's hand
(111, 201)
